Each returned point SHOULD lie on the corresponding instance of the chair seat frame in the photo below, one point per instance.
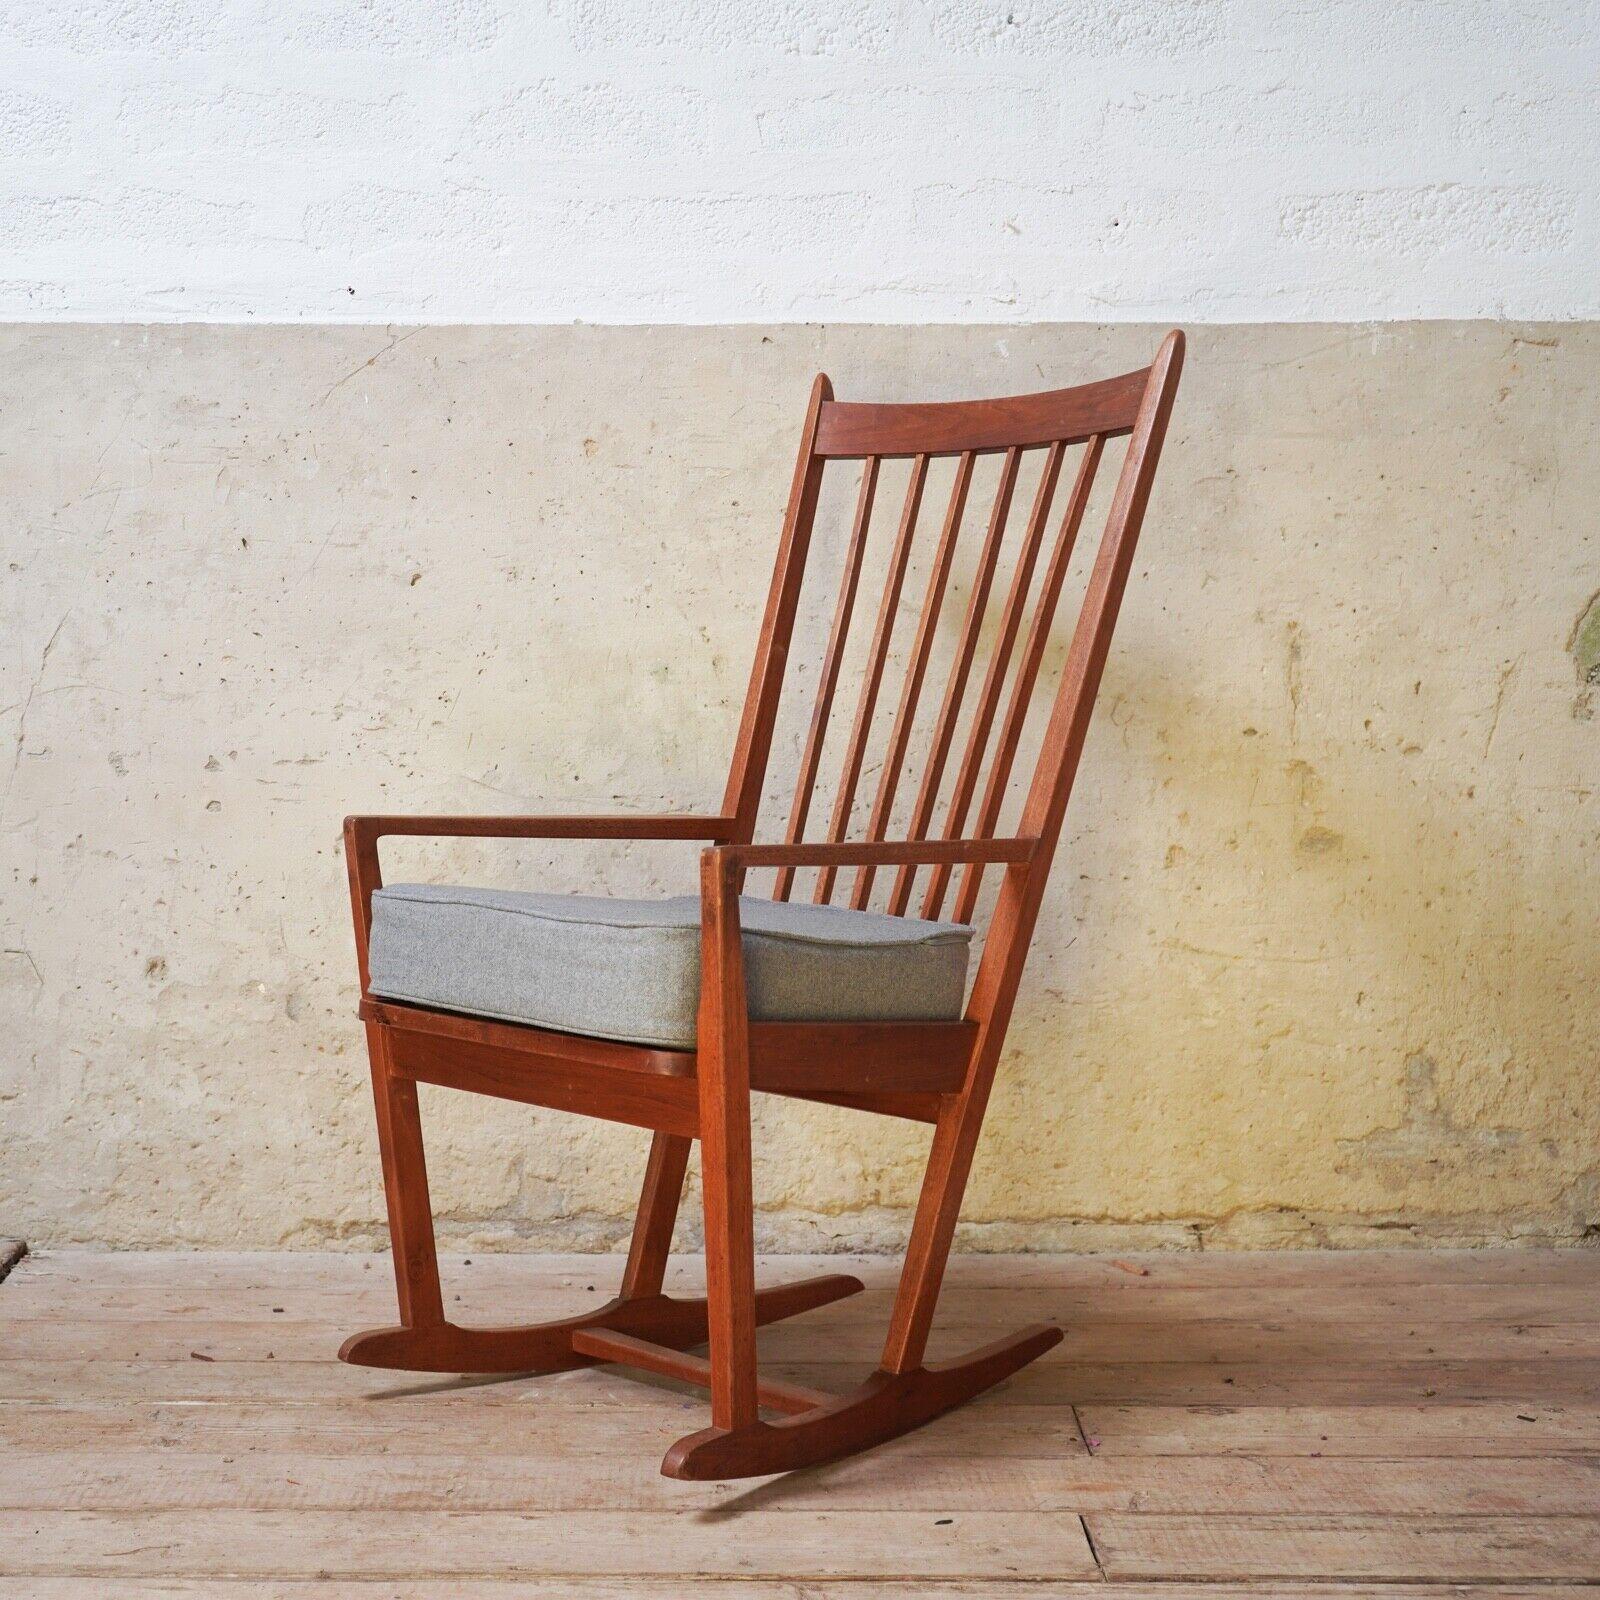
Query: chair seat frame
(938, 1073)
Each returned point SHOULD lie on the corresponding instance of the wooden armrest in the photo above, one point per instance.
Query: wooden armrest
(875, 853)
(362, 833)
(369, 829)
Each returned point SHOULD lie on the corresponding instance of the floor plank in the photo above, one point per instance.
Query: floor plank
(854, 1337)
(1197, 1271)
(525, 1543)
(1428, 1428)
(636, 1434)
(1474, 1549)
(568, 1588)
(555, 1478)
(999, 1428)
(1051, 1381)
(354, 1294)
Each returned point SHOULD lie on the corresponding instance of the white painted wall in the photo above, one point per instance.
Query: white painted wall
(863, 160)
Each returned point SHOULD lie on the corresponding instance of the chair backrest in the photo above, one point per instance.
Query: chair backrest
(972, 743)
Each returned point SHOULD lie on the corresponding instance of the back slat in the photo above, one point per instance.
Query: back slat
(817, 733)
(995, 675)
(844, 800)
(1028, 672)
(1064, 416)
(921, 649)
(960, 669)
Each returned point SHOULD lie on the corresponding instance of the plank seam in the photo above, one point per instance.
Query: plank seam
(1083, 1522)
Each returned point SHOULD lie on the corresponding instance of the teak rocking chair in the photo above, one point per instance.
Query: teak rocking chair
(931, 1062)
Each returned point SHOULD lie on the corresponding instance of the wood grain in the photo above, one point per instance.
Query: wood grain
(854, 428)
(524, 1543)
(549, 1472)
(580, 1588)
(1461, 1549)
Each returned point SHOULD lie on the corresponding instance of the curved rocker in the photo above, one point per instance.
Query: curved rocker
(885, 1406)
(542, 1347)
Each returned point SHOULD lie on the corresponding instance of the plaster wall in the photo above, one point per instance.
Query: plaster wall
(1318, 964)
(711, 161)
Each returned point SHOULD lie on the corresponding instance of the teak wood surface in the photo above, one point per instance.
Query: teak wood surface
(935, 1072)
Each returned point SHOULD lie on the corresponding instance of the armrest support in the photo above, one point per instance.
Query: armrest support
(723, 1028)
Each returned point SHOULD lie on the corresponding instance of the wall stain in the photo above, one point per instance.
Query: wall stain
(1427, 1133)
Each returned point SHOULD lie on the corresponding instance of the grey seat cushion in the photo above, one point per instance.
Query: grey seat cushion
(630, 969)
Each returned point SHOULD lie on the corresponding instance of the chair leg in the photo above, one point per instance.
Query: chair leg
(944, 1184)
(405, 1189)
(730, 1272)
(723, 1069)
(657, 1215)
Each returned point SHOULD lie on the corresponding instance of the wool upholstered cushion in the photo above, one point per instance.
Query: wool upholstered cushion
(630, 969)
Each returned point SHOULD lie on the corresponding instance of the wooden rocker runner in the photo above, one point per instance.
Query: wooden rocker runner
(667, 1014)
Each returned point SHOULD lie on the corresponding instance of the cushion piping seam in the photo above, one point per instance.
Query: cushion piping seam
(954, 933)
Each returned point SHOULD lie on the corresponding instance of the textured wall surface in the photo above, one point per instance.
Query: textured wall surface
(861, 160)
(1319, 960)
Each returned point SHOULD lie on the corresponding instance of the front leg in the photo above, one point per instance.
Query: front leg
(724, 1076)
(405, 1190)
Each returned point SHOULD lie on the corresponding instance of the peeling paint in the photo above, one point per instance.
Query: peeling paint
(1584, 642)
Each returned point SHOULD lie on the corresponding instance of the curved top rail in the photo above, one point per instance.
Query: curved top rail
(1066, 416)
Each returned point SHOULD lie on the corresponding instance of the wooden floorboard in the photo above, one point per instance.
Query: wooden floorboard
(854, 1339)
(553, 1478)
(1305, 1426)
(1420, 1428)
(566, 1588)
(1054, 1381)
(1473, 1549)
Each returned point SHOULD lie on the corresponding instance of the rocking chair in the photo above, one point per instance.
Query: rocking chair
(686, 1006)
